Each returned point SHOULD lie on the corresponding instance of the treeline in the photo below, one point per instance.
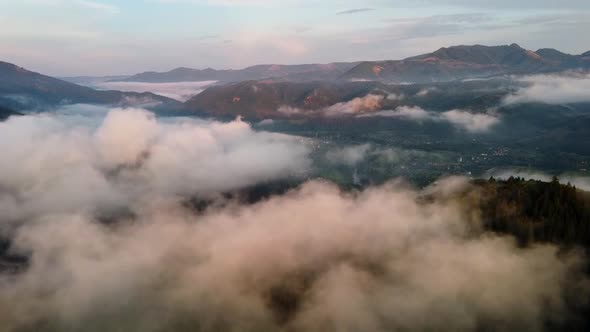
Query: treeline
(536, 211)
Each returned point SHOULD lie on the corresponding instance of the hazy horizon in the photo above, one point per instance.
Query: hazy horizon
(121, 38)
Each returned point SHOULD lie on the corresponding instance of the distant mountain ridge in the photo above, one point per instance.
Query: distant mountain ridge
(258, 91)
(305, 72)
(462, 62)
(23, 89)
(445, 64)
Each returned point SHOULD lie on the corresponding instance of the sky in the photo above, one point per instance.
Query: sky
(108, 37)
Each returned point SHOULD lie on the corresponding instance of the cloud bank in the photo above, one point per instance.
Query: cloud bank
(552, 89)
(315, 259)
(350, 155)
(98, 206)
(181, 91)
(371, 106)
(471, 122)
(67, 163)
(360, 105)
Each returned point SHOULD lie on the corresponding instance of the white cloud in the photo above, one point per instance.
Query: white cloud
(315, 259)
(95, 5)
(472, 122)
(368, 103)
(85, 4)
(350, 155)
(356, 106)
(406, 112)
(476, 123)
(552, 89)
(65, 163)
(238, 3)
(181, 91)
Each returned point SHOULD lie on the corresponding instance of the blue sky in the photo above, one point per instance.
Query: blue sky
(101, 37)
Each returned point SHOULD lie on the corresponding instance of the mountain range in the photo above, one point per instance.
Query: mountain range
(305, 72)
(258, 92)
(445, 64)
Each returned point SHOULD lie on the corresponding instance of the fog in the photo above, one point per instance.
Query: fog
(368, 103)
(461, 119)
(70, 162)
(181, 91)
(371, 105)
(359, 105)
(349, 155)
(569, 87)
(313, 259)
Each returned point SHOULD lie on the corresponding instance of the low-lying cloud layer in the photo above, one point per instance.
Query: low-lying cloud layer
(68, 163)
(368, 103)
(553, 89)
(371, 105)
(359, 105)
(471, 122)
(314, 259)
(181, 91)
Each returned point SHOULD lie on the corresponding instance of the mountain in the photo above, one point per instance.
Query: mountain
(259, 100)
(23, 89)
(551, 54)
(463, 62)
(306, 72)
(445, 64)
(262, 99)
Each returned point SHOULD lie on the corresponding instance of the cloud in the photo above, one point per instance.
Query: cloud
(356, 106)
(353, 155)
(371, 104)
(237, 3)
(63, 163)
(181, 91)
(425, 92)
(315, 259)
(85, 4)
(350, 155)
(471, 122)
(355, 11)
(405, 112)
(438, 25)
(524, 4)
(475, 123)
(552, 89)
(95, 5)
(368, 103)
(266, 122)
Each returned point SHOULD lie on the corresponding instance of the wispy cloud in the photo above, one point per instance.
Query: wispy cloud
(471, 122)
(553, 89)
(111, 9)
(354, 11)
